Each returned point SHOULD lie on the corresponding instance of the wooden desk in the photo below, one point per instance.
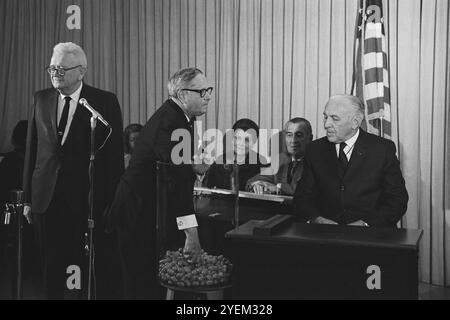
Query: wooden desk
(324, 261)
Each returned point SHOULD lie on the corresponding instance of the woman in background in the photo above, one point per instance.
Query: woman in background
(246, 133)
(130, 134)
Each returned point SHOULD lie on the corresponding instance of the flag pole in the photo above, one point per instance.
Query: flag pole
(363, 76)
(381, 132)
(353, 89)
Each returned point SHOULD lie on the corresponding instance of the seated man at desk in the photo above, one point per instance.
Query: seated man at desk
(298, 135)
(350, 176)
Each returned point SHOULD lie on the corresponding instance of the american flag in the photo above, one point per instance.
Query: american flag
(371, 73)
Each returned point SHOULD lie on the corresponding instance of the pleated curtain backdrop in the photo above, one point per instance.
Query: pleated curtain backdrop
(268, 60)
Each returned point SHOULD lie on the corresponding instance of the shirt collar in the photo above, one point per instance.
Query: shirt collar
(350, 142)
(74, 96)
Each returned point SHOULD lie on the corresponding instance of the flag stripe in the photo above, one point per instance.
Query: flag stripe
(375, 60)
(382, 113)
(371, 70)
(386, 126)
(374, 30)
(374, 75)
(373, 45)
(373, 90)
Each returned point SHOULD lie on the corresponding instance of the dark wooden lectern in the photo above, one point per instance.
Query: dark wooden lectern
(305, 261)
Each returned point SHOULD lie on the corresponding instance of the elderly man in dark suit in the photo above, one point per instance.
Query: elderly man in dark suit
(297, 135)
(134, 210)
(56, 176)
(350, 176)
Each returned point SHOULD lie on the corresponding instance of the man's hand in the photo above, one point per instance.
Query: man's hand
(262, 187)
(322, 220)
(27, 213)
(192, 243)
(200, 168)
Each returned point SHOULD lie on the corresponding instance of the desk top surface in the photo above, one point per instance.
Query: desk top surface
(333, 234)
(244, 194)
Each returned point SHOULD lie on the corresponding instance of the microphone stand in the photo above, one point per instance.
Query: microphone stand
(90, 235)
(15, 210)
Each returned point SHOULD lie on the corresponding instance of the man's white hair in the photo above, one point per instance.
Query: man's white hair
(353, 101)
(181, 79)
(73, 49)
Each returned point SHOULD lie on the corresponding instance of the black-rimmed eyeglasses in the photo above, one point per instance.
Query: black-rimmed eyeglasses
(59, 70)
(201, 91)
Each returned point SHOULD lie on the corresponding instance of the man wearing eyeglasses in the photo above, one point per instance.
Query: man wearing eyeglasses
(134, 212)
(56, 175)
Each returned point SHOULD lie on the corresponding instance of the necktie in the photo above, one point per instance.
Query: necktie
(291, 170)
(342, 156)
(63, 121)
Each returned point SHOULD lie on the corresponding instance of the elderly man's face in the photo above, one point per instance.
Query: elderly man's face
(71, 80)
(340, 121)
(195, 104)
(297, 139)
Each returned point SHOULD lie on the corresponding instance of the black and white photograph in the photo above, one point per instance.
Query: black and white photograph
(225, 154)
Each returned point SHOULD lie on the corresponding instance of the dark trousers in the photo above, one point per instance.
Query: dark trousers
(138, 261)
(60, 234)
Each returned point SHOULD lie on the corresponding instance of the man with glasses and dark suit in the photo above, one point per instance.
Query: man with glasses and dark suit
(134, 210)
(56, 175)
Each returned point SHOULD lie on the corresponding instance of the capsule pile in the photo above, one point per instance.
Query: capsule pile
(184, 270)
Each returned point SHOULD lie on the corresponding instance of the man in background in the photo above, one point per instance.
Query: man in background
(298, 135)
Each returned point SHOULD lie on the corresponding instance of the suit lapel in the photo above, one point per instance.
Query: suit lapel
(285, 167)
(53, 113)
(81, 116)
(332, 163)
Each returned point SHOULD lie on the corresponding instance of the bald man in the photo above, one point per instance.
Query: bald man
(350, 176)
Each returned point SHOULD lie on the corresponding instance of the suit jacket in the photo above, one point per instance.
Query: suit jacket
(135, 202)
(372, 189)
(48, 164)
(281, 176)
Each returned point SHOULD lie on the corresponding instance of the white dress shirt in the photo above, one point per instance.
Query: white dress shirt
(72, 108)
(350, 144)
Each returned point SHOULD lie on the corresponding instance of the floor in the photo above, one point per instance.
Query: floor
(31, 292)
(430, 292)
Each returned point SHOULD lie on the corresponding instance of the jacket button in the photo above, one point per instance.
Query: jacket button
(342, 188)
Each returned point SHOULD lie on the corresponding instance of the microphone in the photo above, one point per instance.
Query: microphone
(94, 112)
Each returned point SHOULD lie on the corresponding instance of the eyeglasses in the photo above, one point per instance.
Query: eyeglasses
(201, 91)
(59, 70)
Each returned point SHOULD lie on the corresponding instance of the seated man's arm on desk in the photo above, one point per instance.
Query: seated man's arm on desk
(394, 197)
(306, 196)
(252, 182)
